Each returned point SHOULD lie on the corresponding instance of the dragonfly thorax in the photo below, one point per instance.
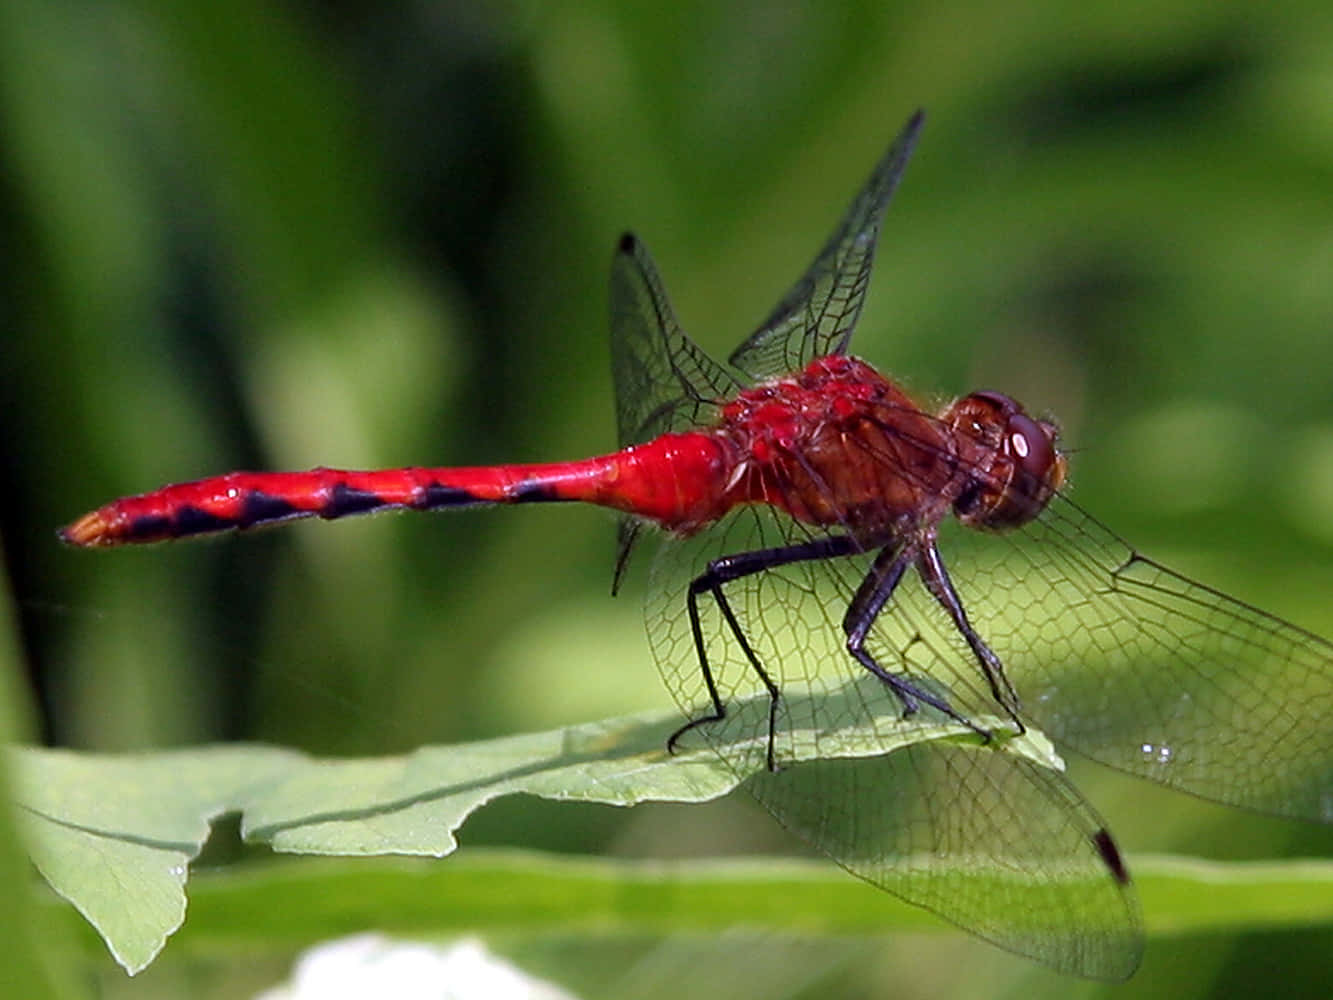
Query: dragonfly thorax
(841, 445)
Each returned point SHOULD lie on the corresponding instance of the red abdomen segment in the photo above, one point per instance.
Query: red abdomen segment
(673, 480)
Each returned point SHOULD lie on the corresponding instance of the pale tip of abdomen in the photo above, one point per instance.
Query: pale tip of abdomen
(89, 531)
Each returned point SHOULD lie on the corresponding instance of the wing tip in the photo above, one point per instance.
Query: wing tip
(911, 131)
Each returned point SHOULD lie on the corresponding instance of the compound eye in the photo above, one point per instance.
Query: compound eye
(1030, 446)
(1017, 467)
(1038, 471)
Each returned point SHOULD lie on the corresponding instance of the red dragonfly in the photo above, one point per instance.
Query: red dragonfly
(802, 615)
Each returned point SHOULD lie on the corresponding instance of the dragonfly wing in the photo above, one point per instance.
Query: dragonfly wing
(664, 381)
(817, 316)
(1142, 669)
(998, 845)
(989, 839)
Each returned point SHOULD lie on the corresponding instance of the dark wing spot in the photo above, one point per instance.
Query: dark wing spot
(1111, 855)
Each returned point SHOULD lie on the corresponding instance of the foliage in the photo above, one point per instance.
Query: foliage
(283, 235)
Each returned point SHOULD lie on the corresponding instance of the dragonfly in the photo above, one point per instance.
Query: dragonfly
(880, 618)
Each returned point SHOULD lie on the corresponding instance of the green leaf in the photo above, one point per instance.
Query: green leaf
(114, 834)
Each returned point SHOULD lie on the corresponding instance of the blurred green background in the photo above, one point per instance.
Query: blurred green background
(268, 235)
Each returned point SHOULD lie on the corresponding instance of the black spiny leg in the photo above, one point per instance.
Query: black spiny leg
(931, 567)
(867, 603)
(723, 571)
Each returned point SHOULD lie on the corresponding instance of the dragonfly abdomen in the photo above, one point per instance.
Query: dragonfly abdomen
(631, 481)
(248, 499)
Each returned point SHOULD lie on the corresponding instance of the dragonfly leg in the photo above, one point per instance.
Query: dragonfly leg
(936, 578)
(726, 570)
(868, 601)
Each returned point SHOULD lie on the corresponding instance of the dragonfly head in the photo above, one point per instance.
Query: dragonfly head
(1016, 465)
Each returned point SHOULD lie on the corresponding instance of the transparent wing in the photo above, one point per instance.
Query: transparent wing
(1111, 654)
(995, 844)
(664, 381)
(1004, 847)
(1142, 669)
(817, 316)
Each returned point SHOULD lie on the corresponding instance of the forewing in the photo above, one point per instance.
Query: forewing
(1121, 659)
(817, 316)
(1142, 669)
(664, 381)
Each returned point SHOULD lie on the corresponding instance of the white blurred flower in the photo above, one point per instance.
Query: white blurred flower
(373, 965)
